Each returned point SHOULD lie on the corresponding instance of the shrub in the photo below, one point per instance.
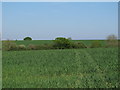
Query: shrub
(61, 43)
(111, 41)
(9, 45)
(69, 38)
(111, 38)
(28, 38)
(32, 47)
(40, 47)
(112, 44)
(48, 46)
(78, 45)
(22, 47)
(96, 44)
(44, 46)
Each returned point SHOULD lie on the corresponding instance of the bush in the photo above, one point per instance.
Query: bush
(111, 38)
(78, 45)
(44, 46)
(111, 41)
(22, 47)
(9, 45)
(32, 47)
(69, 38)
(112, 44)
(61, 43)
(28, 38)
(96, 44)
(40, 47)
(49, 46)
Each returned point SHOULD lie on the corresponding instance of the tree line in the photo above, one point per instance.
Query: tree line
(60, 43)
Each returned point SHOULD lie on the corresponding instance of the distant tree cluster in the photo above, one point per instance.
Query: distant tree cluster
(27, 38)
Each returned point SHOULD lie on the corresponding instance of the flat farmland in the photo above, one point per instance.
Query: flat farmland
(68, 68)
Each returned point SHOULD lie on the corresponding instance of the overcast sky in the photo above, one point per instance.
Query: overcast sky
(48, 20)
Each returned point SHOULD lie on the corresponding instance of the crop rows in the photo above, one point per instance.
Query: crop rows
(75, 68)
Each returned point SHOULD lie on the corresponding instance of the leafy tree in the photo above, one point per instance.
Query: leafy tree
(27, 38)
(61, 43)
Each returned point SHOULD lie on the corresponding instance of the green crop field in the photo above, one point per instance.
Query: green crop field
(68, 68)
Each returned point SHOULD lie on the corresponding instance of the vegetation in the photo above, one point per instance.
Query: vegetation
(96, 44)
(69, 38)
(28, 38)
(9, 45)
(39, 42)
(62, 43)
(31, 47)
(68, 68)
(112, 41)
(34, 64)
(77, 45)
(21, 47)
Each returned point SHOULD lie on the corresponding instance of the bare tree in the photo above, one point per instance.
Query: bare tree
(112, 40)
(69, 38)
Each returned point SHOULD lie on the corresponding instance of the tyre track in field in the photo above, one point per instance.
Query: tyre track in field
(89, 62)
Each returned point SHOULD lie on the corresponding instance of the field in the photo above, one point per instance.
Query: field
(69, 68)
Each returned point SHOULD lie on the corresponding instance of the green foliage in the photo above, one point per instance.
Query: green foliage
(58, 43)
(32, 47)
(78, 45)
(112, 44)
(33, 42)
(73, 68)
(40, 47)
(21, 47)
(39, 42)
(44, 46)
(28, 38)
(9, 45)
(96, 44)
(61, 43)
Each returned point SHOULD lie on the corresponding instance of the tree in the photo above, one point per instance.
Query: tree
(61, 43)
(27, 38)
(112, 41)
(69, 38)
(111, 38)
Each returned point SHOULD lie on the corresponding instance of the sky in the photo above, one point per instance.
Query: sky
(48, 20)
